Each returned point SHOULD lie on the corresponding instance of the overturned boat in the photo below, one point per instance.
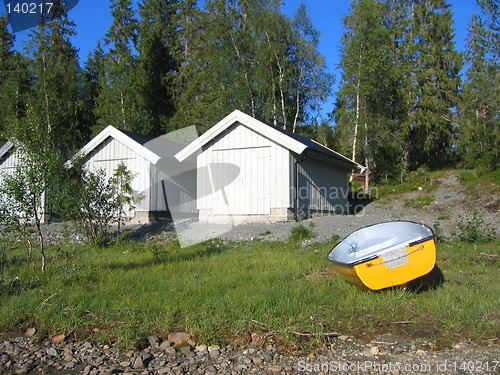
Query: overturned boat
(386, 254)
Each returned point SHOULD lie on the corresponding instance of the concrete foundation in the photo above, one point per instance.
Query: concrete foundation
(277, 214)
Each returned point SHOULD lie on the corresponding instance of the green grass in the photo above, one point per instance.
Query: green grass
(218, 291)
(420, 201)
(300, 232)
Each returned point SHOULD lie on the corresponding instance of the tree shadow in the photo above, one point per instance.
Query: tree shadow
(160, 255)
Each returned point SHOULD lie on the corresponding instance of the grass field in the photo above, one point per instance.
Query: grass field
(219, 291)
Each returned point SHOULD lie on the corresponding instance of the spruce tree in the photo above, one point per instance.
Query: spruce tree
(117, 102)
(436, 81)
(156, 62)
(479, 139)
(14, 82)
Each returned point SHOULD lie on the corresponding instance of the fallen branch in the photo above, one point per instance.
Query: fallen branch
(45, 300)
(316, 334)
(383, 343)
(381, 324)
(299, 334)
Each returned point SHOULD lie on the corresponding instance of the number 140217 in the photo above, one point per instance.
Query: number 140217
(28, 8)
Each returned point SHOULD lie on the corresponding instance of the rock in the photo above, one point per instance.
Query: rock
(138, 364)
(86, 345)
(185, 349)
(146, 358)
(30, 332)
(371, 351)
(240, 368)
(201, 348)
(257, 361)
(275, 369)
(125, 364)
(170, 350)
(212, 348)
(52, 352)
(213, 354)
(164, 345)
(58, 339)
(343, 337)
(179, 338)
(154, 340)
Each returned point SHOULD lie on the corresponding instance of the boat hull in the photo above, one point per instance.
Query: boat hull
(394, 266)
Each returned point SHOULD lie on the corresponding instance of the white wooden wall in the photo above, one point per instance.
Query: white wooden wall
(110, 154)
(8, 164)
(253, 179)
(7, 167)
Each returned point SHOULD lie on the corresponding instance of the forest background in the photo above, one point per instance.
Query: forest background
(405, 99)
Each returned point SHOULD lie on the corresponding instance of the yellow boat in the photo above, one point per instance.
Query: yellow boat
(385, 255)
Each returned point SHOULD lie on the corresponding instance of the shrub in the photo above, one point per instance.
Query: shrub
(300, 233)
(474, 229)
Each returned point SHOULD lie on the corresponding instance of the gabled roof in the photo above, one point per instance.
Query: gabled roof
(291, 141)
(133, 141)
(5, 148)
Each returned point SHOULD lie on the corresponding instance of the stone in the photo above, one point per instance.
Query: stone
(179, 338)
(170, 350)
(257, 361)
(240, 368)
(343, 337)
(146, 358)
(212, 348)
(185, 349)
(214, 354)
(58, 339)
(138, 364)
(86, 345)
(125, 364)
(52, 352)
(201, 348)
(275, 369)
(30, 332)
(371, 351)
(164, 345)
(154, 340)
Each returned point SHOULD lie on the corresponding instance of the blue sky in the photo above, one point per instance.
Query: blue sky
(92, 18)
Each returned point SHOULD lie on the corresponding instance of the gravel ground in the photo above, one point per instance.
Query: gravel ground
(449, 207)
(177, 354)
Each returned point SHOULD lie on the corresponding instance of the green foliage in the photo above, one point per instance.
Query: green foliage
(248, 55)
(300, 233)
(123, 196)
(479, 137)
(54, 99)
(94, 202)
(420, 201)
(402, 117)
(472, 229)
(116, 103)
